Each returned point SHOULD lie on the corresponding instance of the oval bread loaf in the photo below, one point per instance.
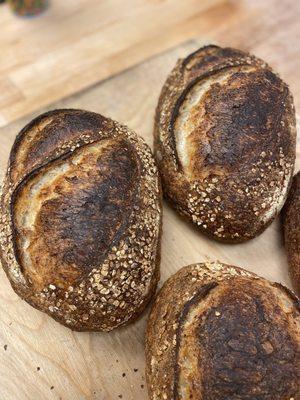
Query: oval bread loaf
(225, 142)
(81, 220)
(291, 226)
(220, 332)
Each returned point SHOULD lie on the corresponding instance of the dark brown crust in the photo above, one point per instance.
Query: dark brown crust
(245, 335)
(199, 296)
(291, 227)
(68, 126)
(251, 160)
(85, 221)
(87, 269)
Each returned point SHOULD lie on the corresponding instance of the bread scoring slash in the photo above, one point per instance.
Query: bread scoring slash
(225, 140)
(220, 332)
(81, 220)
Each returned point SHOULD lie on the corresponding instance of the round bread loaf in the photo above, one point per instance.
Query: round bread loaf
(291, 226)
(218, 332)
(81, 220)
(225, 142)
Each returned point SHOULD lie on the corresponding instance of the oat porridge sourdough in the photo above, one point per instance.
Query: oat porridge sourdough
(81, 220)
(225, 141)
(219, 332)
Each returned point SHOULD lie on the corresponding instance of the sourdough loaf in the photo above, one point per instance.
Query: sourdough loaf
(81, 220)
(225, 142)
(219, 332)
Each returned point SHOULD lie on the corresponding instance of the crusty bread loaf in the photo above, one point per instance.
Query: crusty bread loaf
(291, 226)
(218, 332)
(81, 220)
(225, 142)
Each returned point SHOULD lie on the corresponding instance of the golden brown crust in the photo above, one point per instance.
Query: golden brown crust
(224, 141)
(220, 332)
(81, 220)
(291, 226)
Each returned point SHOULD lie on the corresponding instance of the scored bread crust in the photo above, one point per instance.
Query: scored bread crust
(291, 227)
(81, 219)
(225, 140)
(220, 332)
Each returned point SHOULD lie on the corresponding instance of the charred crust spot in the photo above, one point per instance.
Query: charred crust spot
(243, 115)
(240, 119)
(182, 97)
(86, 215)
(247, 352)
(85, 221)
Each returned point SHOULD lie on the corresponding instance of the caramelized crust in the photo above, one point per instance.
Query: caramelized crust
(73, 211)
(225, 142)
(219, 332)
(81, 220)
(291, 227)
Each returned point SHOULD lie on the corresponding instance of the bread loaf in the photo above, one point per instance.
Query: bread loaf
(291, 226)
(218, 332)
(225, 142)
(81, 220)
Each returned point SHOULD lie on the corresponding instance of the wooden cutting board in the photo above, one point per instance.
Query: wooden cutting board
(75, 44)
(41, 360)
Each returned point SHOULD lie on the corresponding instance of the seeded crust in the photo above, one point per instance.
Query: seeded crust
(225, 140)
(219, 332)
(80, 220)
(291, 227)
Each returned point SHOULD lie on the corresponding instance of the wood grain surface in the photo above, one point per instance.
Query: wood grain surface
(75, 44)
(41, 360)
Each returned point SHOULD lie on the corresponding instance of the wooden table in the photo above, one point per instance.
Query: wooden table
(112, 56)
